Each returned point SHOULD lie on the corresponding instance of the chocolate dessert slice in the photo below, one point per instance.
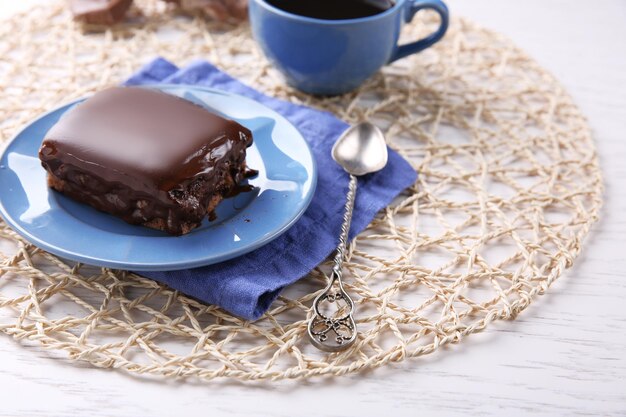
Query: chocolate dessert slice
(147, 157)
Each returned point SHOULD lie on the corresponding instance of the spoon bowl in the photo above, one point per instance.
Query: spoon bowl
(361, 149)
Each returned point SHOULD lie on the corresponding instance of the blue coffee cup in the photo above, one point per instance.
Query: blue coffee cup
(329, 57)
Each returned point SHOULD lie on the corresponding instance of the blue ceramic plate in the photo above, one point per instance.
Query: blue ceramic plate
(282, 191)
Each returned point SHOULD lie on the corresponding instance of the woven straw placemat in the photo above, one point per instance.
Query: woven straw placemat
(509, 186)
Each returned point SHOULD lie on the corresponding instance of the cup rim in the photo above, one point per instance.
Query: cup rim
(283, 13)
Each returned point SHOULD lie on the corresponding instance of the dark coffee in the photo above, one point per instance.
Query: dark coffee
(333, 9)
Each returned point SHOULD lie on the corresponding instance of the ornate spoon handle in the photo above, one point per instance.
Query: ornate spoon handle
(336, 331)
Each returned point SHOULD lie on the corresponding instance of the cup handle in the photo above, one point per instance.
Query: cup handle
(414, 6)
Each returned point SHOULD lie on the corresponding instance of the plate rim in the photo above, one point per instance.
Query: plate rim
(151, 266)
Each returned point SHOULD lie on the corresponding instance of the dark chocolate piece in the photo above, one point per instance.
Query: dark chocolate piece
(99, 12)
(145, 156)
(219, 10)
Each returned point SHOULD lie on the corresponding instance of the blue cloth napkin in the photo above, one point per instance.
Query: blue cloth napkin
(247, 285)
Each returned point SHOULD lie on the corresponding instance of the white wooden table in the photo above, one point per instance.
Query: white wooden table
(564, 356)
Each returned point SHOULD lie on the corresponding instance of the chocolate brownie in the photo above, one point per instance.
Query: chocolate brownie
(147, 157)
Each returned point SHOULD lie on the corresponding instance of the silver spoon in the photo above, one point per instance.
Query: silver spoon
(360, 150)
